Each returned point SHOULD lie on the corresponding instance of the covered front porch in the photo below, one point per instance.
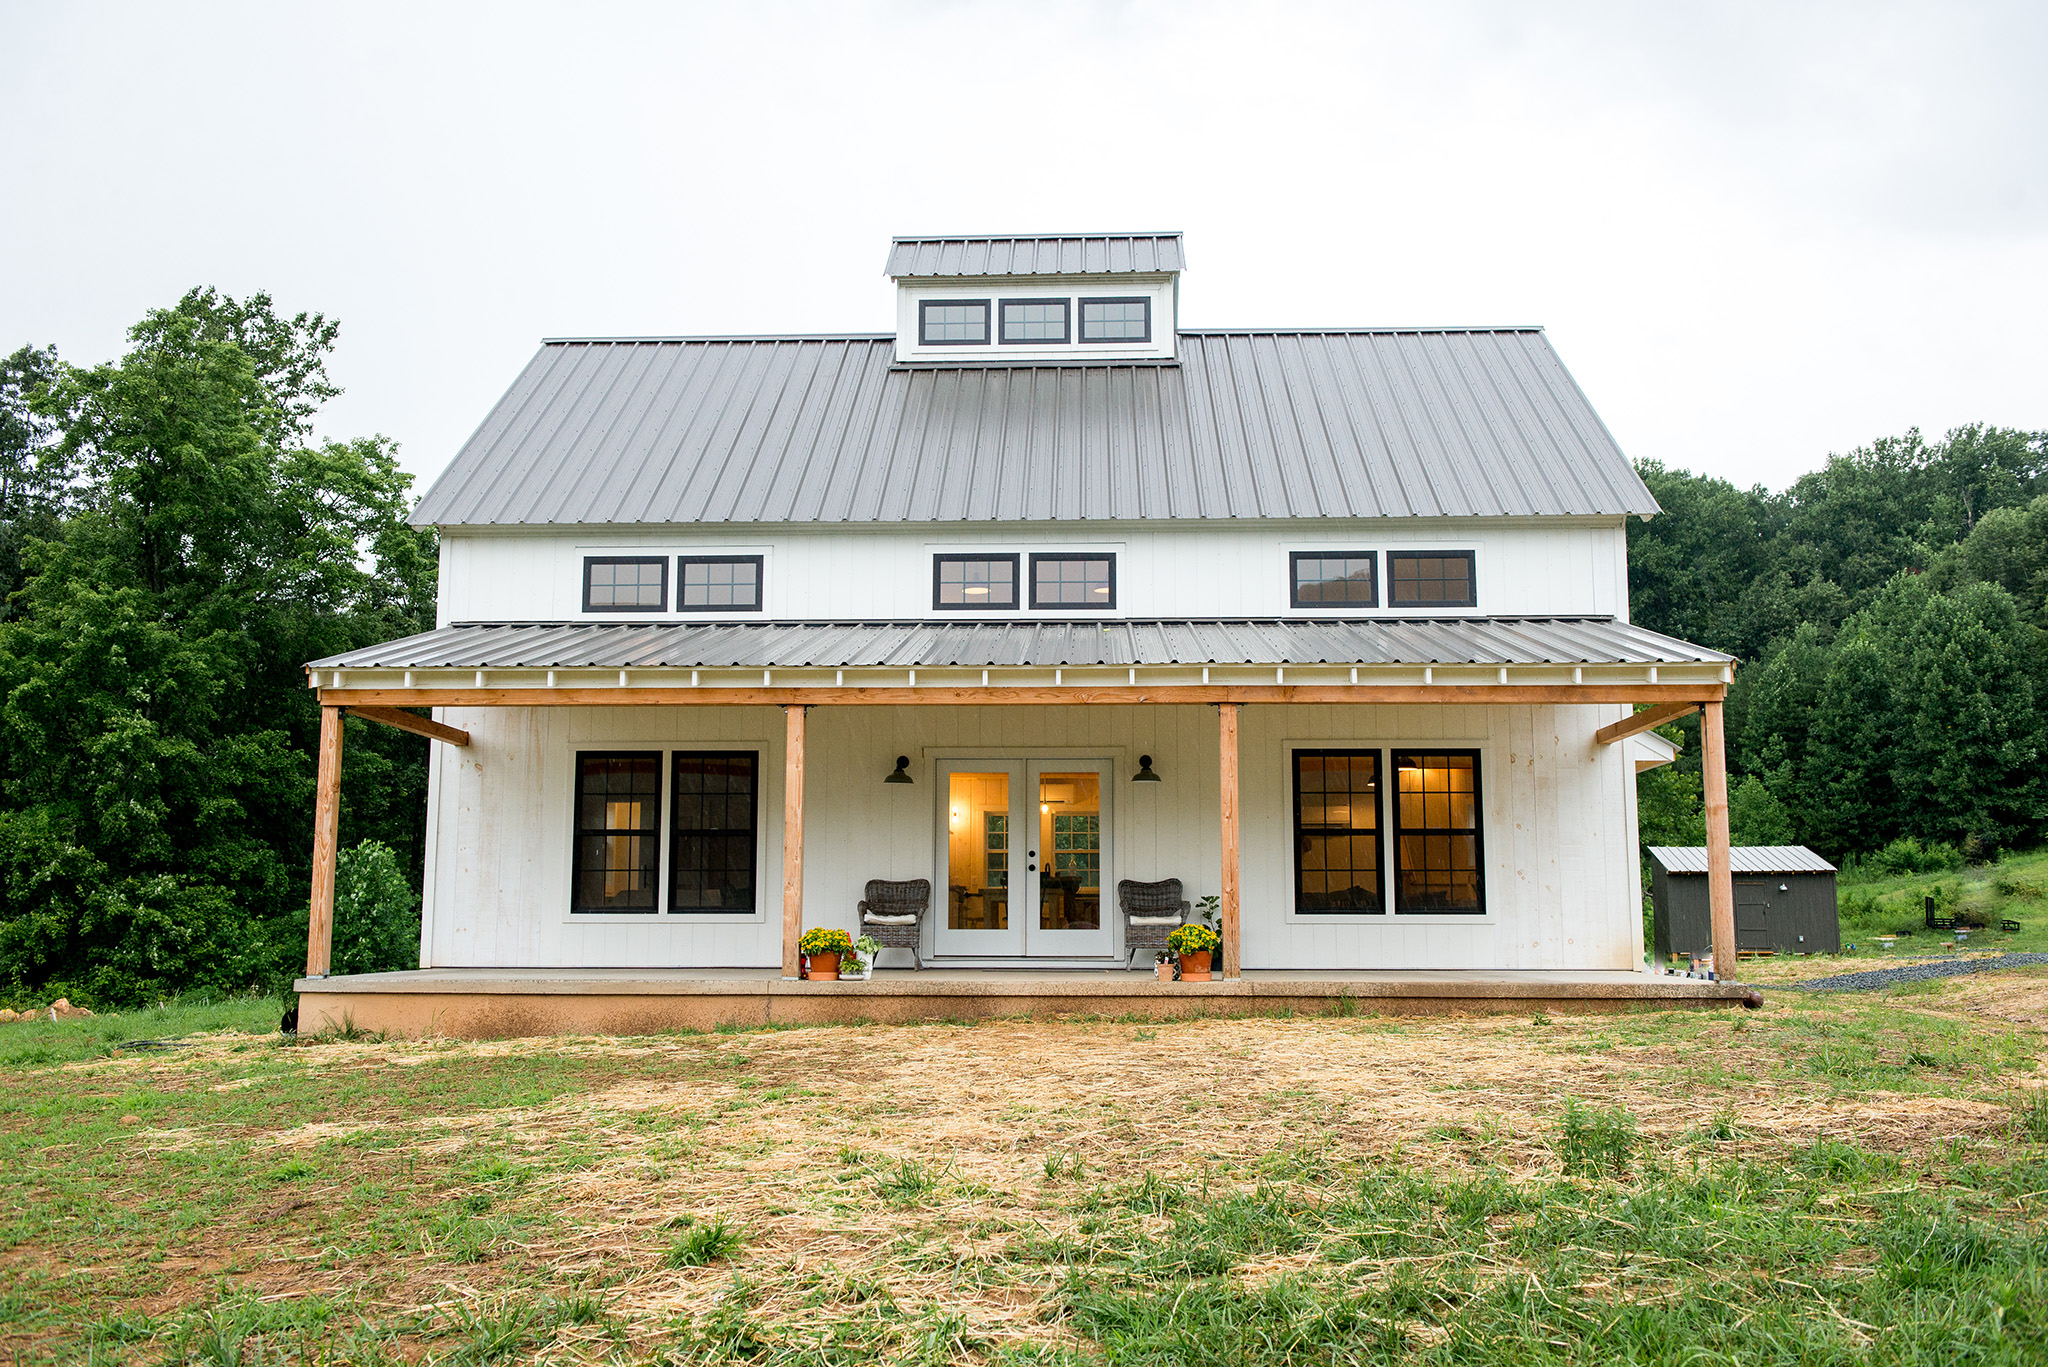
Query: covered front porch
(1224, 709)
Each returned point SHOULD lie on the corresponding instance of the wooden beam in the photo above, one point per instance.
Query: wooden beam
(326, 832)
(1645, 720)
(1226, 725)
(792, 839)
(1078, 695)
(1720, 874)
(406, 721)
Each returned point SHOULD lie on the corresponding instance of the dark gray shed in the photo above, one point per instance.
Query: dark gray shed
(1784, 900)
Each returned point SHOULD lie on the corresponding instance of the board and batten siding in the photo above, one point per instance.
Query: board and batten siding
(1561, 873)
(1561, 567)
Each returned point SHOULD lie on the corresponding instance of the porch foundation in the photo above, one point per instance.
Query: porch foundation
(507, 1003)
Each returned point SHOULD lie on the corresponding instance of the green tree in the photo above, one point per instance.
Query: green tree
(35, 484)
(376, 912)
(1756, 817)
(155, 727)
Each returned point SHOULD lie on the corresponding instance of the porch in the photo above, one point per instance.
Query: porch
(488, 1003)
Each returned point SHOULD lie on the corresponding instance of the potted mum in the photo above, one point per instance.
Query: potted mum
(1194, 943)
(825, 947)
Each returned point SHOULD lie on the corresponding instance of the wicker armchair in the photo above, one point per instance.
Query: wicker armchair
(893, 913)
(1151, 911)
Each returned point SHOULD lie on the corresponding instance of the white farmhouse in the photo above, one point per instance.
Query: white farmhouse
(1038, 597)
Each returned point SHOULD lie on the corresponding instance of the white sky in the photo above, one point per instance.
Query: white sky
(1757, 233)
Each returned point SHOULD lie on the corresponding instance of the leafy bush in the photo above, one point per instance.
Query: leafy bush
(376, 914)
(1908, 856)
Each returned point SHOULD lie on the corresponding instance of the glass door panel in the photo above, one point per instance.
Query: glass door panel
(986, 882)
(1070, 827)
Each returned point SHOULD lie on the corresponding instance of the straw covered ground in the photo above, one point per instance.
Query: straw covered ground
(1835, 1178)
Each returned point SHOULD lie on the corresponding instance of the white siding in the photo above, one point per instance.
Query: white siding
(1559, 832)
(1562, 566)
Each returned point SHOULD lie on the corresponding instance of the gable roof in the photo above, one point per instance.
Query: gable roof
(1742, 859)
(1283, 423)
(1036, 254)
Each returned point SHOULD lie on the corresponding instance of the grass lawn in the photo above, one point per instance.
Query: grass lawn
(1854, 1179)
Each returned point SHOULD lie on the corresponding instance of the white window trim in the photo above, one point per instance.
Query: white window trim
(566, 752)
(1392, 917)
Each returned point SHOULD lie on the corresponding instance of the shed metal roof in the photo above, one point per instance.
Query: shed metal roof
(1247, 424)
(1036, 254)
(1742, 859)
(1012, 644)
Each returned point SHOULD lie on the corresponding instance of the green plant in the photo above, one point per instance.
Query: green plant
(1209, 911)
(1596, 1140)
(2030, 1116)
(1193, 939)
(825, 940)
(715, 1241)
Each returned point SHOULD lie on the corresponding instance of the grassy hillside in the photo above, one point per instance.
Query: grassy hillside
(2015, 888)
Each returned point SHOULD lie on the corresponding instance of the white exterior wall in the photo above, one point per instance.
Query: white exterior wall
(1525, 567)
(1559, 833)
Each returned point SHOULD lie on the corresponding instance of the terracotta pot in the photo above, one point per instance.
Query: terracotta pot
(1165, 972)
(825, 967)
(1194, 968)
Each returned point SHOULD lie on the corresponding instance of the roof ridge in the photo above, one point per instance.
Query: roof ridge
(1312, 331)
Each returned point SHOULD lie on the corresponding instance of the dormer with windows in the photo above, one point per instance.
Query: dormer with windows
(1049, 298)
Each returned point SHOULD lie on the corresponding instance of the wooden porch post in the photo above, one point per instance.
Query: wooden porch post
(326, 831)
(1720, 877)
(1226, 715)
(792, 840)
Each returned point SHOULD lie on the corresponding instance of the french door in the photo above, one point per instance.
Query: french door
(1024, 845)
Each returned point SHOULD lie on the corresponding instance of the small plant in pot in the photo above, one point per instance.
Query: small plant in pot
(1162, 965)
(825, 947)
(862, 964)
(1194, 944)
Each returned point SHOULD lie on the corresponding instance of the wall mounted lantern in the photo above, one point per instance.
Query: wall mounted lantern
(902, 774)
(1145, 774)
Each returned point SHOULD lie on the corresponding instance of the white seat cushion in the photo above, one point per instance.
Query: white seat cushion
(870, 919)
(1154, 920)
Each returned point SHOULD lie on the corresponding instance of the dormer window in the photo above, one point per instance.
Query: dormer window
(1116, 320)
(1035, 321)
(1073, 581)
(952, 322)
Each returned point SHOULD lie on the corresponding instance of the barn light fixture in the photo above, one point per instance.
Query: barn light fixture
(1145, 774)
(902, 774)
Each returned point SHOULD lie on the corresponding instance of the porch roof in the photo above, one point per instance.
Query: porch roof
(1488, 641)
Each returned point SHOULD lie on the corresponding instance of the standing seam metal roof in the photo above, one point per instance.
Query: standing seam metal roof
(1742, 859)
(1036, 254)
(1040, 644)
(1246, 424)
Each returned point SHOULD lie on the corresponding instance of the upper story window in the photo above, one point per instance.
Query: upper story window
(969, 583)
(1034, 321)
(719, 583)
(625, 583)
(1116, 320)
(1334, 580)
(1431, 579)
(1073, 581)
(952, 322)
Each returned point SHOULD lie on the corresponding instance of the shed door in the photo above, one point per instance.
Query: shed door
(1753, 915)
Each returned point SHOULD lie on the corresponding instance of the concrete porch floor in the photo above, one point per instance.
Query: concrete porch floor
(494, 1003)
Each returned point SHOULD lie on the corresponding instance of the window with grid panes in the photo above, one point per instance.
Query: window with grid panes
(713, 848)
(1437, 834)
(1337, 848)
(1078, 581)
(1430, 579)
(1034, 320)
(952, 322)
(964, 583)
(1323, 580)
(719, 583)
(1116, 320)
(623, 583)
(618, 820)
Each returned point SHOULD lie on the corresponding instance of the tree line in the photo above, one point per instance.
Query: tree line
(175, 544)
(1889, 612)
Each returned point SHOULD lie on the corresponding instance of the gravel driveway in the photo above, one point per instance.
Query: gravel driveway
(1908, 973)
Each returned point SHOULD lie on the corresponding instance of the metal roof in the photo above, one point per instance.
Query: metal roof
(1036, 254)
(1276, 424)
(1742, 859)
(1026, 643)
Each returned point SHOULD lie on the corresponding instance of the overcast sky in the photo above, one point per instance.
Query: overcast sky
(1756, 233)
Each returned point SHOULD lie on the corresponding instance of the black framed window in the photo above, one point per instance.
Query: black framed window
(1116, 320)
(618, 826)
(625, 583)
(718, 583)
(952, 322)
(970, 583)
(1338, 852)
(712, 854)
(1073, 581)
(1431, 579)
(1034, 321)
(1334, 579)
(1436, 832)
